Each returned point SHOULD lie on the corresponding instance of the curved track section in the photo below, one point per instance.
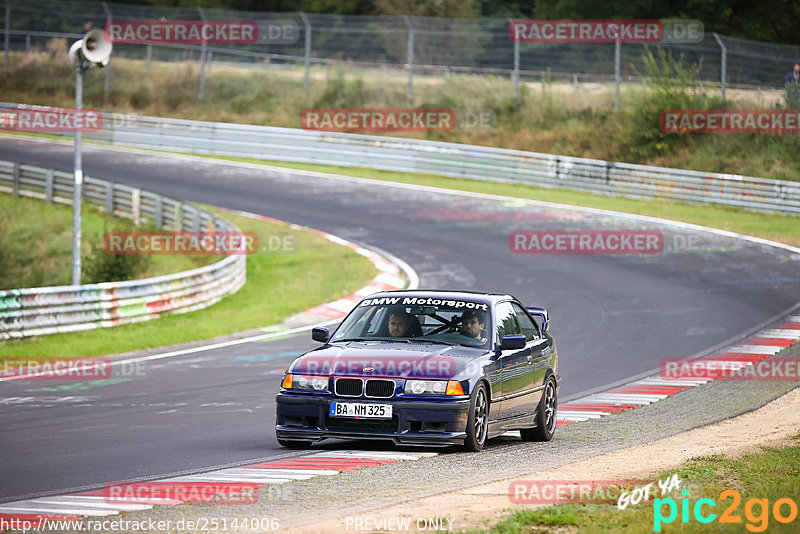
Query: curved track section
(614, 316)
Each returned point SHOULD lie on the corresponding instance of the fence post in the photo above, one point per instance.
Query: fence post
(617, 46)
(15, 180)
(410, 53)
(7, 33)
(107, 82)
(515, 75)
(149, 54)
(307, 54)
(724, 67)
(48, 186)
(202, 91)
(28, 43)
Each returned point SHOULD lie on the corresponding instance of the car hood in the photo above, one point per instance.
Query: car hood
(386, 359)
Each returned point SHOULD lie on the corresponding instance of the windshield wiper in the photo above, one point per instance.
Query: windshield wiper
(436, 341)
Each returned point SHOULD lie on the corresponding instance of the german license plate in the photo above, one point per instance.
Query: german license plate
(358, 409)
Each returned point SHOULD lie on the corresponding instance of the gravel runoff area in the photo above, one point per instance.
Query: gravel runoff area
(350, 493)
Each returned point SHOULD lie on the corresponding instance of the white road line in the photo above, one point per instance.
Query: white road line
(755, 349)
(69, 500)
(53, 509)
(569, 414)
(781, 333)
(657, 381)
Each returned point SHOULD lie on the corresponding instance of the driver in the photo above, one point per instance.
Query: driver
(399, 323)
(472, 323)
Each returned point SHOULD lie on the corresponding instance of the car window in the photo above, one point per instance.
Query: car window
(527, 325)
(506, 321)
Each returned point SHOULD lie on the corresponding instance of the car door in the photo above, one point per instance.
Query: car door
(539, 356)
(517, 375)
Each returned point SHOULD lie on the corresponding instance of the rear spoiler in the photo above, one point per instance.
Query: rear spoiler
(541, 312)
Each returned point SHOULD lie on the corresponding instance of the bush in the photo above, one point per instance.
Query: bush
(669, 84)
(100, 266)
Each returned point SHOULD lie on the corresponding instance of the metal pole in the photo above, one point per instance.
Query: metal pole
(149, 55)
(307, 57)
(78, 186)
(8, 33)
(410, 91)
(515, 75)
(616, 73)
(107, 83)
(724, 69)
(201, 92)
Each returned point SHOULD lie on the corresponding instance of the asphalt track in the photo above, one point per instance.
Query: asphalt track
(614, 316)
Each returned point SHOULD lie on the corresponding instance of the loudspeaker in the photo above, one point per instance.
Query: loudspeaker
(93, 48)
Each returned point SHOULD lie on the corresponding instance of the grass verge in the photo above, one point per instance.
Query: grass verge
(766, 477)
(310, 271)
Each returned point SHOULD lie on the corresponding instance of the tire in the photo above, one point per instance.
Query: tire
(294, 444)
(477, 420)
(545, 415)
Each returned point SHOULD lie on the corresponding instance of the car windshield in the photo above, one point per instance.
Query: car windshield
(418, 320)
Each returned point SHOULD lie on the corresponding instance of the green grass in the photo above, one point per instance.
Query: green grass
(771, 474)
(781, 228)
(36, 245)
(279, 284)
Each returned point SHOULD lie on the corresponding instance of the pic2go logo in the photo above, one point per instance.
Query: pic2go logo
(756, 511)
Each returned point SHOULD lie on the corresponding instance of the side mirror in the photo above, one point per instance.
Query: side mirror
(320, 334)
(513, 342)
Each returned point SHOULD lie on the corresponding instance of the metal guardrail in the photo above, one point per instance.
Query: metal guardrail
(449, 159)
(48, 310)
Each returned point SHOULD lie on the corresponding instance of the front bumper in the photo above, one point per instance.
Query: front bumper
(414, 422)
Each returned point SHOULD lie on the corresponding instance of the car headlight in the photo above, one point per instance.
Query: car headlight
(305, 382)
(425, 387)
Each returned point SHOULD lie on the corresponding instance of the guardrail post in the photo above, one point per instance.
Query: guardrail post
(196, 221)
(48, 186)
(179, 217)
(307, 54)
(158, 215)
(110, 198)
(201, 92)
(410, 53)
(15, 180)
(558, 169)
(724, 66)
(107, 82)
(136, 205)
(7, 33)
